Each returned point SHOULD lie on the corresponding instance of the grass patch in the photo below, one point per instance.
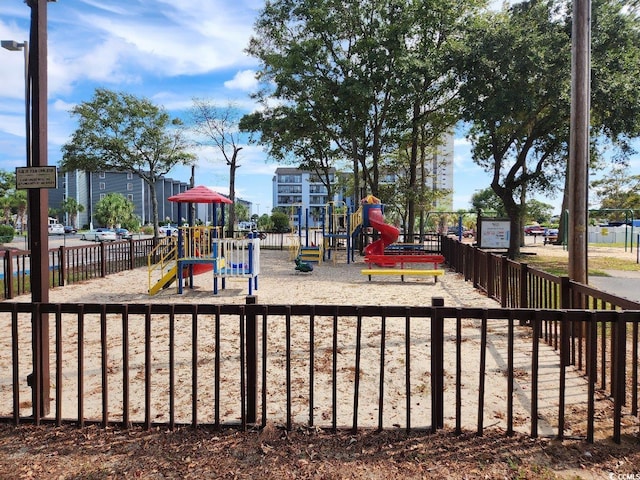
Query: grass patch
(597, 265)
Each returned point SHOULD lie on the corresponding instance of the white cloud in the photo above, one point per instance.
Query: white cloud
(243, 80)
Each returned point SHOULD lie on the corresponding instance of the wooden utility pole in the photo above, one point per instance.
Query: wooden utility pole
(579, 141)
(39, 209)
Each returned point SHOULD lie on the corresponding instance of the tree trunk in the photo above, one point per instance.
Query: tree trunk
(413, 170)
(514, 212)
(232, 192)
(154, 207)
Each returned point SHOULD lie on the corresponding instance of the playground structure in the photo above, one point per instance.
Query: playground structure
(336, 233)
(202, 249)
(376, 252)
(305, 252)
(339, 231)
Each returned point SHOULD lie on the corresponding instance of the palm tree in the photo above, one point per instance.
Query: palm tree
(72, 208)
(19, 202)
(5, 206)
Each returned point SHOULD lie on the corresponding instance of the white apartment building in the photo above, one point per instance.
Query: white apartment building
(440, 173)
(293, 187)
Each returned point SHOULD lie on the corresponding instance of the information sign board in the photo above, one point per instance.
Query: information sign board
(494, 233)
(36, 177)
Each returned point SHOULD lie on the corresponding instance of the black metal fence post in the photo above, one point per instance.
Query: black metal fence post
(252, 360)
(437, 363)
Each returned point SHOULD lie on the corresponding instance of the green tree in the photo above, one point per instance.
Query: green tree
(5, 206)
(353, 81)
(218, 127)
(514, 73)
(71, 207)
(7, 182)
(488, 203)
(118, 131)
(618, 191)
(114, 209)
(538, 211)
(7, 192)
(242, 212)
(280, 221)
(19, 202)
(264, 222)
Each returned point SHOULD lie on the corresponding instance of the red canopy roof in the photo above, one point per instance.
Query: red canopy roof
(199, 194)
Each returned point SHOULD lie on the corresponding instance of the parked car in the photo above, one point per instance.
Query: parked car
(551, 235)
(123, 233)
(70, 229)
(56, 229)
(534, 230)
(100, 235)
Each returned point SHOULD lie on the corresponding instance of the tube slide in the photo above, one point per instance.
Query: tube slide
(389, 233)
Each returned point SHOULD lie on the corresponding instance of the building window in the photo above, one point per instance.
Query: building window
(289, 178)
(130, 197)
(102, 175)
(102, 195)
(289, 188)
(103, 186)
(129, 176)
(317, 189)
(129, 187)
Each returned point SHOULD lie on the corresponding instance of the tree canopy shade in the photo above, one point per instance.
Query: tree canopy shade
(514, 71)
(118, 131)
(352, 81)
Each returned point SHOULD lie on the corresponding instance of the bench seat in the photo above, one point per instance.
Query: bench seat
(402, 272)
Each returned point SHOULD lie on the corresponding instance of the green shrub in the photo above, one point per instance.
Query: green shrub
(7, 233)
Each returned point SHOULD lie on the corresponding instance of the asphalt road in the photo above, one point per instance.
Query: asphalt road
(620, 283)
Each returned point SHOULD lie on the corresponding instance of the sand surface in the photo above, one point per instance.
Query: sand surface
(330, 283)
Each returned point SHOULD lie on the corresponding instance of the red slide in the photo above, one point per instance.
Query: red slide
(389, 233)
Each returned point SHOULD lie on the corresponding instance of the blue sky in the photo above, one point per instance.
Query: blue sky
(168, 51)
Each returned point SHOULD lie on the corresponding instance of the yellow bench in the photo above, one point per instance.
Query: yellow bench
(402, 272)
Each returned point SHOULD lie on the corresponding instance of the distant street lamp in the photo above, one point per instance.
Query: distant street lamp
(15, 47)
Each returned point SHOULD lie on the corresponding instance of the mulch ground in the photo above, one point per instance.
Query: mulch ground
(47, 452)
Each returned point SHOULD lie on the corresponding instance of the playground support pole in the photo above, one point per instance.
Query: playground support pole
(306, 226)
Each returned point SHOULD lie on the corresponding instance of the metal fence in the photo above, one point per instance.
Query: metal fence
(330, 366)
(325, 366)
(516, 285)
(68, 265)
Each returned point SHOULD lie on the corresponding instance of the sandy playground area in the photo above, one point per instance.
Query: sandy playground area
(279, 283)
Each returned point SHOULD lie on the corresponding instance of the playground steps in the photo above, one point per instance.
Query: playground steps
(165, 281)
(311, 254)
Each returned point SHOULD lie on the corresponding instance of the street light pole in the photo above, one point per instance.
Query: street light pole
(14, 46)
